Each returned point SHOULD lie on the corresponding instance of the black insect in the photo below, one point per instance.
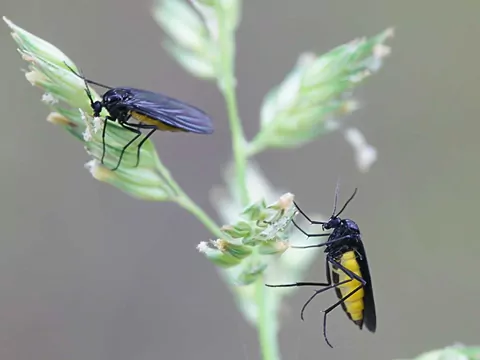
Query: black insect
(347, 270)
(153, 111)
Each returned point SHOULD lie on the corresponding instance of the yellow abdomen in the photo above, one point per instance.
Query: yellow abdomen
(144, 119)
(354, 305)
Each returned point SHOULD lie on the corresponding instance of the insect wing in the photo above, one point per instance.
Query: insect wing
(169, 111)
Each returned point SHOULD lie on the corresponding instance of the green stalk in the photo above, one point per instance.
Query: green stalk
(238, 144)
(226, 84)
(185, 202)
(267, 322)
(254, 148)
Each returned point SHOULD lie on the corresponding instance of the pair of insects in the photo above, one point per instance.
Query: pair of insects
(346, 269)
(152, 111)
(346, 266)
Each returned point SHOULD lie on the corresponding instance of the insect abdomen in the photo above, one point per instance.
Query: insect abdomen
(354, 305)
(151, 121)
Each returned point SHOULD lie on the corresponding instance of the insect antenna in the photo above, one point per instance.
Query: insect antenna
(87, 88)
(344, 206)
(335, 199)
(87, 81)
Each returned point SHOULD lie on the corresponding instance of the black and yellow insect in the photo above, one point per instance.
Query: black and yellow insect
(152, 111)
(347, 270)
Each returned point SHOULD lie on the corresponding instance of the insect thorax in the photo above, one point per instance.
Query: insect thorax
(351, 225)
(346, 227)
(349, 234)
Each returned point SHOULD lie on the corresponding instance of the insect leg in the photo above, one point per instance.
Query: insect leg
(137, 132)
(328, 287)
(332, 241)
(306, 216)
(327, 311)
(352, 277)
(347, 271)
(328, 283)
(307, 234)
(107, 119)
(359, 254)
(153, 129)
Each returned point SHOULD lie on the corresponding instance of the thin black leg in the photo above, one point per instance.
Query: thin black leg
(307, 234)
(299, 284)
(346, 271)
(328, 283)
(327, 286)
(154, 128)
(359, 255)
(327, 311)
(137, 132)
(306, 216)
(105, 122)
(122, 124)
(319, 292)
(322, 244)
(353, 276)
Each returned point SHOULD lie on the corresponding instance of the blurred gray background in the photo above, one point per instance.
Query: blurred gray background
(86, 272)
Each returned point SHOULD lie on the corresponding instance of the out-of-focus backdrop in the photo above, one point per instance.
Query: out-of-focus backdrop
(87, 272)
